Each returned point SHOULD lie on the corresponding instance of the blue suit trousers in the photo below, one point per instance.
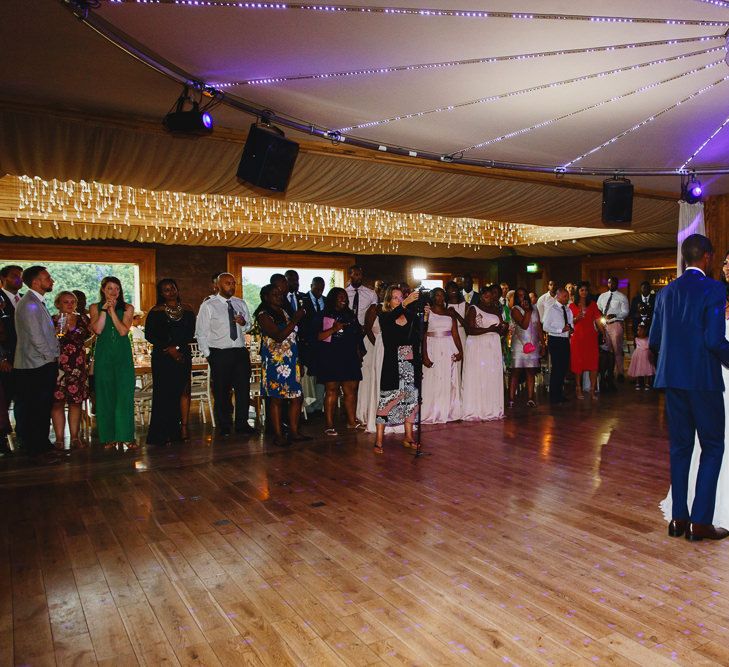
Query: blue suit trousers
(691, 412)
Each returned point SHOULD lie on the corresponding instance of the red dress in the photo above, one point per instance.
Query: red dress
(584, 352)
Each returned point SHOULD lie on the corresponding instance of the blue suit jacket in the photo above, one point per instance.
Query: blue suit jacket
(688, 331)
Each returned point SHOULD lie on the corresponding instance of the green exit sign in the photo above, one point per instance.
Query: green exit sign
(532, 268)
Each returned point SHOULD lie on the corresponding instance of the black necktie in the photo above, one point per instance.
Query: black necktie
(564, 312)
(355, 303)
(232, 322)
(607, 305)
(316, 304)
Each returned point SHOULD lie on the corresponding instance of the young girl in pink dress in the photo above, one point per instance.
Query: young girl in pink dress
(642, 368)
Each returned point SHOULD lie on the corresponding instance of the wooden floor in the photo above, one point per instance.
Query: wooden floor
(535, 540)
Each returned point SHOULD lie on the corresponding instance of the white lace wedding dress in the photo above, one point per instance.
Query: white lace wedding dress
(721, 505)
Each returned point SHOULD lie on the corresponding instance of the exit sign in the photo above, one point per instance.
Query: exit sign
(532, 268)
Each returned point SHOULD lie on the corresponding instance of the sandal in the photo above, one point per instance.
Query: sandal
(330, 431)
(77, 443)
(377, 449)
(531, 403)
(409, 444)
(359, 426)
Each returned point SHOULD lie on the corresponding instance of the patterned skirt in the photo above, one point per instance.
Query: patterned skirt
(396, 406)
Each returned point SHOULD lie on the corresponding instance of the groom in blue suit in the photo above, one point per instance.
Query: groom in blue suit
(688, 332)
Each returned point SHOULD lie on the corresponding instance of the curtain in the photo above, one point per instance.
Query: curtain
(690, 221)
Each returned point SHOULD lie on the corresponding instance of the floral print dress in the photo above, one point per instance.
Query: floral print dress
(72, 385)
(280, 376)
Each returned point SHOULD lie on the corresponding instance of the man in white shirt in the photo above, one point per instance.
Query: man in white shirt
(222, 323)
(469, 294)
(558, 324)
(614, 307)
(547, 300)
(504, 291)
(360, 297)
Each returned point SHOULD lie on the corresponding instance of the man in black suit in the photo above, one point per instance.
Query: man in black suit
(642, 305)
(12, 280)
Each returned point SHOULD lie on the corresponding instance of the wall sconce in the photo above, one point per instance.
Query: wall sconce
(420, 273)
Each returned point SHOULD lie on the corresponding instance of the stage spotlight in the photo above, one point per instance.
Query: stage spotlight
(190, 122)
(691, 190)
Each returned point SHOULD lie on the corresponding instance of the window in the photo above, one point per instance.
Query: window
(82, 267)
(255, 277)
(87, 278)
(254, 269)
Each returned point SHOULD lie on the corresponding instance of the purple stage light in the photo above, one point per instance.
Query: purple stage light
(207, 120)
(696, 190)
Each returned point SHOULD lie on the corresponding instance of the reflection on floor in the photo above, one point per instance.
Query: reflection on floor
(535, 540)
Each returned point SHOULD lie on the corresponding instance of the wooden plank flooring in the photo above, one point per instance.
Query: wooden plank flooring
(532, 541)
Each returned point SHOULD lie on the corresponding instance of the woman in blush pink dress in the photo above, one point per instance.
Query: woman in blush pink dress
(442, 352)
(483, 372)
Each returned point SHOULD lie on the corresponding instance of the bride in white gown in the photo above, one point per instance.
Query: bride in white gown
(721, 504)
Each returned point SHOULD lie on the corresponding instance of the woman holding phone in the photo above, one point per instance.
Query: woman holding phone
(340, 350)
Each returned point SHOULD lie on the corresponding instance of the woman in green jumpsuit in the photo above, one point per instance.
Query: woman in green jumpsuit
(114, 379)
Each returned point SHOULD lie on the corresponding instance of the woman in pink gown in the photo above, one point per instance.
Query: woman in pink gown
(483, 372)
(442, 352)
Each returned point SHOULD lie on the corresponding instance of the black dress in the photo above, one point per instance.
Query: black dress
(170, 378)
(340, 358)
(401, 366)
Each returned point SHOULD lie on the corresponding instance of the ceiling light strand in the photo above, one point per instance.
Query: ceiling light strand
(591, 107)
(531, 89)
(423, 12)
(209, 216)
(268, 80)
(703, 145)
(645, 122)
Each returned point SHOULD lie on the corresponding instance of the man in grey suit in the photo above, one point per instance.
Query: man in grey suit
(36, 363)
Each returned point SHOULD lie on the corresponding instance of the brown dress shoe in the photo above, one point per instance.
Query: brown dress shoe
(677, 527)
(702, 531)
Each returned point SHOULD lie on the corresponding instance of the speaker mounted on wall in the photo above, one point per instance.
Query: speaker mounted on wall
(617, 202)
(268, 158)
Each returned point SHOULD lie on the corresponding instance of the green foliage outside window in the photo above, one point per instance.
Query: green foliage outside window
(84, 277)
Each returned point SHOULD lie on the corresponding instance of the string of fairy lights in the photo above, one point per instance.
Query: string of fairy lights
(388, 69)
(591, 107)
(425, 12)
(531, 89)
(177, 216)
(429, 13)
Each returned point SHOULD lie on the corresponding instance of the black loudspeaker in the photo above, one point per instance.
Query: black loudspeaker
(268, 159)
(617, 202)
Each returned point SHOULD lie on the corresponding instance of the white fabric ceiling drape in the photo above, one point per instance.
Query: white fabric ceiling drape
(690, 221)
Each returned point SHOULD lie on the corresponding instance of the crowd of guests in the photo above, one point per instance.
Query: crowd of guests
(388, 355)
